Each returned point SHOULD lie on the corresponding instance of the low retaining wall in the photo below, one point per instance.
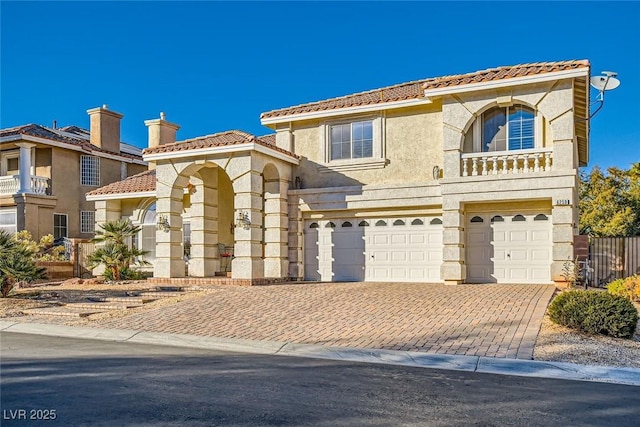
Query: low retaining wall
(57, 269)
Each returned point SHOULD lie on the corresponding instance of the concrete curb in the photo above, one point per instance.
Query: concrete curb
(487, 365)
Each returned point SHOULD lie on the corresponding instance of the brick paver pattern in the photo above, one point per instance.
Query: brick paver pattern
(481, 320)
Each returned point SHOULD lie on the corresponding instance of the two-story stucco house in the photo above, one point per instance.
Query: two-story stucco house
(45, 173)
(465, 178)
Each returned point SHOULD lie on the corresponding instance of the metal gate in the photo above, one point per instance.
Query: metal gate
(81, 268)
(612, 258)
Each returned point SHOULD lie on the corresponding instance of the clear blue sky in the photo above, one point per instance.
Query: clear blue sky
(214, 66)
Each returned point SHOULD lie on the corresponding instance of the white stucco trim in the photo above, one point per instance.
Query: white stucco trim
(516, 81)
(22, 137)
(347, 110)
(116, 196)
(250, 146)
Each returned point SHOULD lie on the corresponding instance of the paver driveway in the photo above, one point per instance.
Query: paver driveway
(482, 320)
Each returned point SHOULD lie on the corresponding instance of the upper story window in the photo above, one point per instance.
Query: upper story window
(352, 140)
(90, 170)
(353, 144)
(515, 127)
(9, 163)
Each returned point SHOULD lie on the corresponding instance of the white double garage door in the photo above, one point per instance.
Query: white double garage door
(499, 248)
(406, 249)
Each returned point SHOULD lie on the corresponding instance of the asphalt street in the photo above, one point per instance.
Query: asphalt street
(61, 381)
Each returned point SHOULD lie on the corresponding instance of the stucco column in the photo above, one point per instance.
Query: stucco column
(169, 250)
(276, 262)
(248, 263)
(296, 259)
(563, 231)
(453, 270)
(25, 167)
(204, 261)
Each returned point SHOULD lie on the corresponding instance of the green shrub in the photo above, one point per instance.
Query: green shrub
(595, 312)
(629, 287)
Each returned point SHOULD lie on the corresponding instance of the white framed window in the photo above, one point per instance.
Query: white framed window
(87, 221)
(60, 225)
(10, 163)
(499, 129)
(9, 220)
(351, 140)
(90, 171)
(353, 144)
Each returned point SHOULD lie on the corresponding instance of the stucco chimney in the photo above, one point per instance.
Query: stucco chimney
(105, 128)
(161, 132)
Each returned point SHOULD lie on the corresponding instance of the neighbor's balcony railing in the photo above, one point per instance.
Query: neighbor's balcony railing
(507, 162)
(11, 184)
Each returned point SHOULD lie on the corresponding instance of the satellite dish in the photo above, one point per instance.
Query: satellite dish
(602, 83)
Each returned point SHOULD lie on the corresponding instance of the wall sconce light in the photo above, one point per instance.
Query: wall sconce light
(163, 223)
(243, 220)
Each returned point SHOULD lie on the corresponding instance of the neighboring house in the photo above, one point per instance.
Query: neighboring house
(465, 178)
(45, 173)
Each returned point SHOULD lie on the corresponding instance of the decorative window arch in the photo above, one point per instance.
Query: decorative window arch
(398, 222)
(518, 218)
(314, 225)
(515, 127)
(347, 224)
(417, 221)
(381, 223)
(363, 224)
(476, 219)
(330, 225)
(435, 221)
(497, 218)
(541, 217)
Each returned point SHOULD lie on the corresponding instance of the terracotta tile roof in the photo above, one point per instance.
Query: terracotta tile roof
(232, 137)
(144, 181)
(72, 135)
(415, 89)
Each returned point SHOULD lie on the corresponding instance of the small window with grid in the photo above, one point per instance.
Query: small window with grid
(90, 170)
(87, 221)
(60, 228)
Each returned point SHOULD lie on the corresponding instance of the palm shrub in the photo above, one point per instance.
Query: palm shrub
(114, 253)
(17, 264)
(595, 312)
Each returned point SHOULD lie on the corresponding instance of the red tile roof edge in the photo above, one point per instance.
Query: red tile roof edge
(404, 91)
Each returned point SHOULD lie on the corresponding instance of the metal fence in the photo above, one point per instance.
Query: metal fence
(612, 258)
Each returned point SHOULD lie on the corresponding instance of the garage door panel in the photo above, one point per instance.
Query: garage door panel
(540, 236)
(475, 236)
(540, 255)
(380, 239)
(519, 255)
(417, 239)
(518, 236)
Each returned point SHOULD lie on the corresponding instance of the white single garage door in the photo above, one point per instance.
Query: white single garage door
(374, 250)
(509, 248)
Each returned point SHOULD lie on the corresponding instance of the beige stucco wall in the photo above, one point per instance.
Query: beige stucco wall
(412, 139)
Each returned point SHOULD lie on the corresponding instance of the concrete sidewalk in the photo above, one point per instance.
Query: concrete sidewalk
(526, 368)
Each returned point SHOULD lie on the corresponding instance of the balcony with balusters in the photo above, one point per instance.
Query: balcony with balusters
(10, 184)
(507, 162)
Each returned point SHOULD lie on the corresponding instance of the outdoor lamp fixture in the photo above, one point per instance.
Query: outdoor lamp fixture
(163, 223)
(243, 220)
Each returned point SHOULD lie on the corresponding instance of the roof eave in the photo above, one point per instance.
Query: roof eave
(347, 110)
(224, 149)
(501, 83)
(117, 196)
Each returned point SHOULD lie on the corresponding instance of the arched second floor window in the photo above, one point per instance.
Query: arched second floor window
(503, 129)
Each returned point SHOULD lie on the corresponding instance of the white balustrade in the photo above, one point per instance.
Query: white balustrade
(11, 184)
(507, 162)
